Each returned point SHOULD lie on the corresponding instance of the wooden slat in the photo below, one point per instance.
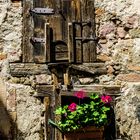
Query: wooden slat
(39, 31)
(24, 69)
(76, 10)
(70, 43)
(27, 32)
(89, 49)
(48, 37)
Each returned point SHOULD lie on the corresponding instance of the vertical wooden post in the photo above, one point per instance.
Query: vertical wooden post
(48, 42)
(55, 78)
(47, 130)
(66, 77)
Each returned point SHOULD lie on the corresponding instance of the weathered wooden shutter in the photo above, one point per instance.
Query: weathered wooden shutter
(81, 31)
(49, 37)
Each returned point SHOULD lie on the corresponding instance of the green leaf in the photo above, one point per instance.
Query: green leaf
(96, 113)
(104, 116)
(54, 125)
(58, 111)
(94, 96)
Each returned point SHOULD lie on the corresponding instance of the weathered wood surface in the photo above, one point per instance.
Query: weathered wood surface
(94, 69)
(88, 14)
(25, 69)
(81, 13)
(66, 12)
(47, 116)
(27, 47)
(39, 31)
(44, 90)
(113, 90)
(86, 134)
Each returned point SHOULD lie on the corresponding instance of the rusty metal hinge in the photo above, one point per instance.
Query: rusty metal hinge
(37, 40)
(42, 11)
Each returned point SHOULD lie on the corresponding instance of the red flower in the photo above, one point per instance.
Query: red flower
(80, 94)
(72, 107)
(106, 99)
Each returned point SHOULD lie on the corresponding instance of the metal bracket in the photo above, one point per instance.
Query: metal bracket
(42, 11)
(82, 23)
(37, 40)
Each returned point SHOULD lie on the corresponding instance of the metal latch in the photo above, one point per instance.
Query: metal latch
(37, 40)
(42, 11)
(84, 39)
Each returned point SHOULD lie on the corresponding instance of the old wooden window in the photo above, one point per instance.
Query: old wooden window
(58, 31)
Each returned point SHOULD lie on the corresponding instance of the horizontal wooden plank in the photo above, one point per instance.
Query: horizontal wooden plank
(94, 68)
(113, 90)
(44, 90)
(24, 69)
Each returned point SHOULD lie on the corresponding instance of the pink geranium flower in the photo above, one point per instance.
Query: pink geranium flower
(80, 94)
(72, 107)
(106, 99)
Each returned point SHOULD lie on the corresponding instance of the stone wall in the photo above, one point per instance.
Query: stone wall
(117, 26)
(21, 114)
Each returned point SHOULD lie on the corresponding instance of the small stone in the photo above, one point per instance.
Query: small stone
(86, 80)
(3, 56)
(27, 81)
(127, 36)
(106, 29)
(110, 70)
(132, 77)
(121, 32)
(117, 67)
(11, 100)
(99, 11)
(103, 41)
(44, 79)
(135, 33)
(103, 57)
(15, 80)
(133, 67)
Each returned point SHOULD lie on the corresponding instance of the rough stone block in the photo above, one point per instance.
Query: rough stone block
(44, 79)
(3, 56)
(121, 32)
(106, 29)
(11, 100)
(133, 67)
(132, 77)
(103, 57)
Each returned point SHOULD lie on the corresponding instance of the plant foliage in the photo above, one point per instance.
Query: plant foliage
(83, 114)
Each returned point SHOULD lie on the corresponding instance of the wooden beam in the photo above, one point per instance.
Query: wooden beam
(113, 90)
(44, 90)
(24, 69)
(94, 68)
(47, 110)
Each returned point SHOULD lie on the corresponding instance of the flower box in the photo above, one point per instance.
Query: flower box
(88, 133)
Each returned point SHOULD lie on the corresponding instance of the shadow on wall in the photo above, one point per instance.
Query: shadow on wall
(8, 127)
(138, 112)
